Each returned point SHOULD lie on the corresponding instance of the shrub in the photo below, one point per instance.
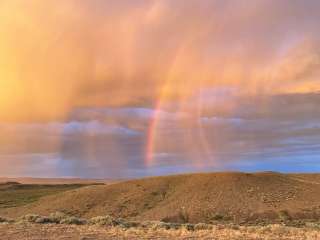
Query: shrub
(147, 224)
(188, 226)
(155, 225)
(73, 220)
(217, 217)
(174, 225)
(126, 224)
(111, 222)
(57, 217)
(284, 215)
(234, 227)
(315, 225)
(31, 218)
(3, 220)
(160, 225)
(103, 221)
(202, 226)
(53, 218)
(183, 214)
(43, 220)
(181, 217)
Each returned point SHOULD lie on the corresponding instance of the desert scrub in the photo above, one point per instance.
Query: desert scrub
(57, 217)
(127, 224)
(103, 221)
(217, 217)
(188, 226)
(181, 216)
(314, 225)
(73, 221)
(279, 229)
(184, 215)
(44, 220)
(57, 231)
(112, 222)
(202, 226)
(155, 225)
(175, 225)
(3, 220)
(31, 218)
(284, 215)
(213, 217)
(158, 225)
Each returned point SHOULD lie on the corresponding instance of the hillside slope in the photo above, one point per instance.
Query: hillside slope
(55, 181)
(14, 194)
(191, 197)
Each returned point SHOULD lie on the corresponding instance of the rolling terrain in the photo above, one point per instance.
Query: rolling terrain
(54, 181)
(14, 194)
(206, 197)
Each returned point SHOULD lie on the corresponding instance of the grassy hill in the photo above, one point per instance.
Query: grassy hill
(55, 181)
(14, 194)
(191, 198)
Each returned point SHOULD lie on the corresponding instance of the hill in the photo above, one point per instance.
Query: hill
(191, 198)
(55, 181)
(15, 194)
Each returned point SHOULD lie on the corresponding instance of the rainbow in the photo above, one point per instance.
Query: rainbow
(152, 133)
(201, 146)
(172, 75)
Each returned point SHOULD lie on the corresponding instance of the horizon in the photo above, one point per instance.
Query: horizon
(151, 176)
(127, 89)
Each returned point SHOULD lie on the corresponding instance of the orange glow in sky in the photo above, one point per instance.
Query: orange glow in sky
(194, 60)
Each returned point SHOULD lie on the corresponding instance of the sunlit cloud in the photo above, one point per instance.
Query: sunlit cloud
(119, 86)
(118, 53)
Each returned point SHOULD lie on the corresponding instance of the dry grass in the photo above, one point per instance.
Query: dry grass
(212, 197)
(93, 232)
(60, 226)
(13, 194)
(202, 206)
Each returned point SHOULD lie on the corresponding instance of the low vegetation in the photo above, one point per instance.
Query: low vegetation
(61, 226)
(13, 194)
(195, 206)
(109, 221)
(2, 220)
(192, 198)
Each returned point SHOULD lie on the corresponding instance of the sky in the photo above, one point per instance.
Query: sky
(122, 88)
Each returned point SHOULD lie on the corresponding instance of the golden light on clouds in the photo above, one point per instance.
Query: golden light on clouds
(59, 55)
(152, 79)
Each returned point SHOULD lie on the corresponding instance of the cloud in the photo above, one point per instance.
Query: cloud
(32, 164)
(113, 146)
(122, 113)
(115, 53)
(206, 84)
(94, 128)
(227, 121)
